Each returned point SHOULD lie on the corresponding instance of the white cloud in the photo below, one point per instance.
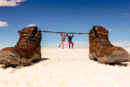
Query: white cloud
(85, 44)
(82, 44)
(125, 44)
(126, 15)
(31, 25)
(3, 24)
(10, 2)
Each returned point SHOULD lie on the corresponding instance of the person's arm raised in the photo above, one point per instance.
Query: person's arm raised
(72, 35)
(66, 34)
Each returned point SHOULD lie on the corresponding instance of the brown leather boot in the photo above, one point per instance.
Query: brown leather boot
(102, 50)
(27, 50)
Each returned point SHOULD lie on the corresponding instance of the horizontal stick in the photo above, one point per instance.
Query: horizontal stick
(63, 32)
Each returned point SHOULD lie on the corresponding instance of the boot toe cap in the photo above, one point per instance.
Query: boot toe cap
(119, 56)
(9, 58)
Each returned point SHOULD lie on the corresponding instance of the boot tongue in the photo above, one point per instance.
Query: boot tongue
(101, 35)
(27, 36)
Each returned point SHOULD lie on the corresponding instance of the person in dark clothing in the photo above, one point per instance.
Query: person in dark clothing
(70, 40)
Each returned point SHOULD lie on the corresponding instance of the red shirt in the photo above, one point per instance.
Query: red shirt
(63, 37)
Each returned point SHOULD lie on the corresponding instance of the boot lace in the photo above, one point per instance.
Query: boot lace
(26, 40)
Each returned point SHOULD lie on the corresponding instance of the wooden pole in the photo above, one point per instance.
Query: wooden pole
(62, 32)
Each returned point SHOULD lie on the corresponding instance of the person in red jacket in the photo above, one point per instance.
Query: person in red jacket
(62, 40)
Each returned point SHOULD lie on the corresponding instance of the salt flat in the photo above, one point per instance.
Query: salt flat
(66, 68)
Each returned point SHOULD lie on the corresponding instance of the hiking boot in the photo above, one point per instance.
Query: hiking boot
(27, 49)
(102, 50)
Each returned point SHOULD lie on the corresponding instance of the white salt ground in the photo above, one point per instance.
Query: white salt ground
(66, 68)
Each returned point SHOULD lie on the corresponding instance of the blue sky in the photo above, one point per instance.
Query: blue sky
(67, 16)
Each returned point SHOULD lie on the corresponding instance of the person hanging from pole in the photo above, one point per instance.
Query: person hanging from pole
(70, 36)
(62, 40)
